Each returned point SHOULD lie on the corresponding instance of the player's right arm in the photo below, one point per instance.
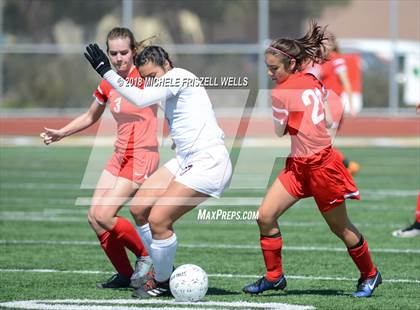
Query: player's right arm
(80, 123)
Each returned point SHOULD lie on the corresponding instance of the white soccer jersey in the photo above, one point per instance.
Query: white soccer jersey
(188, 109)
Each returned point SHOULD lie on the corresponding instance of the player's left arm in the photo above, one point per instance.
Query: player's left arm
(345, 81)
(141, 98)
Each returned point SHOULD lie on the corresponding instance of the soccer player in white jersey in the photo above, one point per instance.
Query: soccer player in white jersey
(200, 170)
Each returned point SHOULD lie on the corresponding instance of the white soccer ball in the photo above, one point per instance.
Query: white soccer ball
(188, 283)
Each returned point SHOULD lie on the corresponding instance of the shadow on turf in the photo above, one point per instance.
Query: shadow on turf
(311, 292)
(218, 291)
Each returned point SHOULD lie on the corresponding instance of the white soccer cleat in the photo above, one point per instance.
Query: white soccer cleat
(140, 274)
(408, 232)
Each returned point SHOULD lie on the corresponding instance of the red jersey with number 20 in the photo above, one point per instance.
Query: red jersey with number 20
(298, 103)
(137, 127)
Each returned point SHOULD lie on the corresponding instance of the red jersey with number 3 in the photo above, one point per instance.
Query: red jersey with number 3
(298, 103)
(137, 127)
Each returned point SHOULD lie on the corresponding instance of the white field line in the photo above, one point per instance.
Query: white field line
(44, 175)
(215, 275)
(40, 186)
(217, 246)
(256, 201)
(24, 216)
(222, 201)
(37, 203)
(45, 211)
(296, 224)
(98, 304)
(33, 216)
(37, 200)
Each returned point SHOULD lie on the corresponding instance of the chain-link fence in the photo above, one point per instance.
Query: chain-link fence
(41, 44)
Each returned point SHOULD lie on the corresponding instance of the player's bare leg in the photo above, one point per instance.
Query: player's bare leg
(140, 206)
(341, 225)
(357, 247)
(115, 233)
(177, 200)
(151, 190)
(275, 203)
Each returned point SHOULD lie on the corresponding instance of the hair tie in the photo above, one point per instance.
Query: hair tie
(272, 48)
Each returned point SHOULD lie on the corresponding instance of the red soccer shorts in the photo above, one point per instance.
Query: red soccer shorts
(135, 165)
(328, 182)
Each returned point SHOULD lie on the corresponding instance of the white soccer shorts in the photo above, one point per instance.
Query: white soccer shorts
(208, 171)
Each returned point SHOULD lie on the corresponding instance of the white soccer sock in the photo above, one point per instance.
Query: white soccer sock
(163, 256)
(145, 235)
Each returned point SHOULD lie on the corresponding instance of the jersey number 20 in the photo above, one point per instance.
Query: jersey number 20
(310, 96)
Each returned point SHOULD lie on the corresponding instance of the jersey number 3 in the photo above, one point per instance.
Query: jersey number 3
(310, 96)
(117, 107)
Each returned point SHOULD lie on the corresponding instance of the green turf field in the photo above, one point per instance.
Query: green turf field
(48, 252)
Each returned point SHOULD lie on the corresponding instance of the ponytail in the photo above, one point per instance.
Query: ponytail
(311, 47)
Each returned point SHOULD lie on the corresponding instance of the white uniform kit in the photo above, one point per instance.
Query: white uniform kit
(202, 162)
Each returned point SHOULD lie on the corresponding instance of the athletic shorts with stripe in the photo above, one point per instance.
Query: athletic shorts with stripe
(328, 181)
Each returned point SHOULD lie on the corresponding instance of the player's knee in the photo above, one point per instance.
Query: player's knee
(91, 216)
(159, 225)
(135, 211)
(139, 213)
(338, 229)
(264, 220)
(103, 218)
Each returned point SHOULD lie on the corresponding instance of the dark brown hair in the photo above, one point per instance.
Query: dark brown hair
(154, 54)
(311, 47)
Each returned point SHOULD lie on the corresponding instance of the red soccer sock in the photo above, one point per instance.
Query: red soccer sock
(127, 234)
(418, 209)
(271, 249)
(115, 251)
(361, 257)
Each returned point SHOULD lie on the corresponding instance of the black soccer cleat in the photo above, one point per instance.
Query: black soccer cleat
(115, 281)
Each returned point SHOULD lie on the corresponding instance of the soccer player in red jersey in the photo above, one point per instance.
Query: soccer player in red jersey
(313, 168)
(334, 75)
(135, 158)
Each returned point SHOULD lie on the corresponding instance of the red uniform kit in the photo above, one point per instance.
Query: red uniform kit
(329, 72)
(136, 149)
(313, 168)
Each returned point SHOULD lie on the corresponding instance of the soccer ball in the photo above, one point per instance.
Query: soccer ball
(188, 283)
